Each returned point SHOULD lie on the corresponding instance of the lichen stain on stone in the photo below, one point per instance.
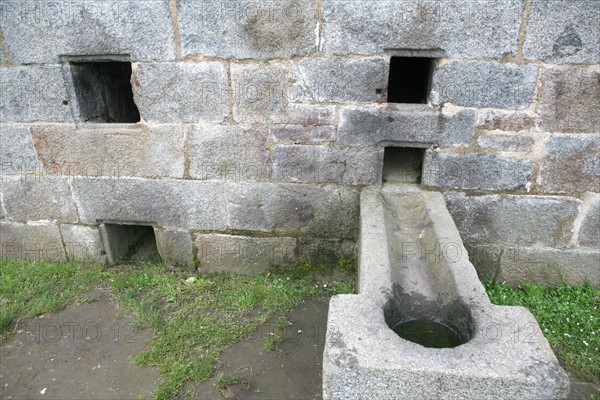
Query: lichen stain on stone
(568, 43)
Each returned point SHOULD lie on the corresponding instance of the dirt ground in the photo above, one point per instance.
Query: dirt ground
(84, 351)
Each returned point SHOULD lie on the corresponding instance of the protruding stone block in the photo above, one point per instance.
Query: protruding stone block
(167, 203)
(175, 248)
(82, 242)
(474, 171)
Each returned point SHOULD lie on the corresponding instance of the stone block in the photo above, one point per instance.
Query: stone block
(32, 198)
(181, 92)
(549, 267)
(356, 166)
(298, 134)
(464, 29)
(82, 242)
(165, 202)
(310, 115)
(503, 221)
(570, 100)
(16, 150)
(570, 163)
(485, 84)
(589, 233)
(474, 171)
(228, 153)
(327, 252)
(141, 151)
(408, 124)
(41, 31)
(339, 80)
(33, 241)
(175, 248)
(327, 211)
(33, 93)
(505, 142)
(563, 32)
(247, 29)
(243, 254)
(506, 120)
(260, 92)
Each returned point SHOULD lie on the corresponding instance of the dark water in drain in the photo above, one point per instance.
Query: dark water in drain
(428, 333)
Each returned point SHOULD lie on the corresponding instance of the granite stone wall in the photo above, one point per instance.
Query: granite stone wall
(261, 121)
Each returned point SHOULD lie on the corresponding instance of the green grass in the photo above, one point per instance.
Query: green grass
(193, 318)
(227, 381)
(29, 289)
(568, 315)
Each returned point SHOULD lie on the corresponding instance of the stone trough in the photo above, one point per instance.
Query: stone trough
(414, 273)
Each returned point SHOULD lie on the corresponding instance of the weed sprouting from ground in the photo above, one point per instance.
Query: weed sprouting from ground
(568, 315)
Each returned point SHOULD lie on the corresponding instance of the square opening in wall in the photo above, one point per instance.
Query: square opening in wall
(402, 164)
(128, 243)
(409, 79)
(103, 91)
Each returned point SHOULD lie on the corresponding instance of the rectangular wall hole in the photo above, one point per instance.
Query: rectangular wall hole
(410, 79)
(129, 243)
(403, 164)
(103, 91)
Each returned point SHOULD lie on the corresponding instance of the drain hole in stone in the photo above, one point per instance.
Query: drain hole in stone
(130, 243)
(402, 164)
(409, 79)
(429, 333)
(103, 91)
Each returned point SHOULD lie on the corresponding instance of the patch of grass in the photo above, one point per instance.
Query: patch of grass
(29, 289)
(568, 315)
(273, 341)
(227, 381)
(194, 320)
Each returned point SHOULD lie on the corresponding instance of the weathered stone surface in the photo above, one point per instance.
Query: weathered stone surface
(570, 164)
(175, 248)
(299, 134)
(41, 31)
(339, 80)
(505, 142)
(414, 124)
(506, 120)
(247, 29)
(34, 241)
(33, 93)
(563, 32)
(462, 28)
(474, 171)
(514, 220)
(310, 115)
(141, 151)
(260, 92)
(589, 234)
(181, 92)
(228, 153)
(82, 242)
(320, 211)
(242, 254)
(349, 165)
(570, 100)
(33, 198)
(485, 84)
(167, 203)
(549, 267)
(328, 252)
(16, 150)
